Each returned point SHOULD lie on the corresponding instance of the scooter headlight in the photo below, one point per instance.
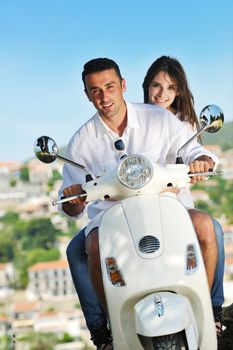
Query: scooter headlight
(135, 171)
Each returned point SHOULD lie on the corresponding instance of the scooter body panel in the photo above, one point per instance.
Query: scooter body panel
(122, 227)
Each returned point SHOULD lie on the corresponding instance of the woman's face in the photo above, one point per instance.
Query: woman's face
(162, 90)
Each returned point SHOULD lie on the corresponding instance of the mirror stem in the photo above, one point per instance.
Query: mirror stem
(71, 162)
(179, 158)
(88, 176)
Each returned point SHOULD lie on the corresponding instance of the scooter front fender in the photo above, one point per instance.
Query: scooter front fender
(164, 313)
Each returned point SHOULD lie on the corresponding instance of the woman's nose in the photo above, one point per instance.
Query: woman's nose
(161, 91)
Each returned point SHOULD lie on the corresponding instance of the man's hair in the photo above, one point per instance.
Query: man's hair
(98, 65)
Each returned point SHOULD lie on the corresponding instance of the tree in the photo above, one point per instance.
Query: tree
(221, 198)
(54, 178)
(10, 217)
(12, 182)
(40, 341)
(39, 233)
(24, 174)
(25, 259)
(7, 249)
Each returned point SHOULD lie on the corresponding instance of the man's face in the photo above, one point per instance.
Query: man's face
(105, 90)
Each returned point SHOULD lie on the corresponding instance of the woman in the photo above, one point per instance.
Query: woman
(165, 84)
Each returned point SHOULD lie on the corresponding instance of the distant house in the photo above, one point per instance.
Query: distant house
(59, 322)
(23, 315)
(50, 279)
(4, 325)
(25, 310)
(10, 167)
(7, 279)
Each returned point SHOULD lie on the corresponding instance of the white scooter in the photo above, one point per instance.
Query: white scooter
(153, 272)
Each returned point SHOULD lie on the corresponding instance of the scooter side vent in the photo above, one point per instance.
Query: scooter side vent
(148, 244)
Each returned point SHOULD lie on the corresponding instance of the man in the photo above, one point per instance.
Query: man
(145, 129)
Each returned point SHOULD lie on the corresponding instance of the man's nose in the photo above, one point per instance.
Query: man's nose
(103, 95)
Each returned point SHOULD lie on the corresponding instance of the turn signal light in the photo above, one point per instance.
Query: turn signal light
(191, 258)
(114, 274)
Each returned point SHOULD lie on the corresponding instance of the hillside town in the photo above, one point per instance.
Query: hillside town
(49, 303)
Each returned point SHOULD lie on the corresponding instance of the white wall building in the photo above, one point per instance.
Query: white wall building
(7, 279)
(50, 279)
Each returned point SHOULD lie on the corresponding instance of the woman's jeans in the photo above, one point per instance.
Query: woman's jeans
(90, 305)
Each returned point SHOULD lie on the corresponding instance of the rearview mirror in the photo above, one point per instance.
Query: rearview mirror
(211, 118)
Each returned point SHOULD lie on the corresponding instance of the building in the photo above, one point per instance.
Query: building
(50, 279)
(7, 279)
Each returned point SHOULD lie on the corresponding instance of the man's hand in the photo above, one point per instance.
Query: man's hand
(200, 165)
(75, 206)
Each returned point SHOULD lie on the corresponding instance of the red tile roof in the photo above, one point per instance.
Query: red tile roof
(49, 265)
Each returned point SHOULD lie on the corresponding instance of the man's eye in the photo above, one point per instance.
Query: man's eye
(94, 92)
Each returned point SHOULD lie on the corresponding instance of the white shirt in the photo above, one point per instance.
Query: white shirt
(151, 131)
(185, 195)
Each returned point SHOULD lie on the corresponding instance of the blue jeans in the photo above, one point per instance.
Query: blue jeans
(77, 259)
(217, 293)
(93, 313)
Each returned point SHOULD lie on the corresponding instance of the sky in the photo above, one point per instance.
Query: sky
(45, 43)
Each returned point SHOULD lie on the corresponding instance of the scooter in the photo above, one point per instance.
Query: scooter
(153, 271)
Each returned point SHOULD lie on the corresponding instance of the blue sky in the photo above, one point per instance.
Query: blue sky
(45, 43)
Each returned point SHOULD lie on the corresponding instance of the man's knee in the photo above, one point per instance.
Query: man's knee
(204, 226)
(92, 245)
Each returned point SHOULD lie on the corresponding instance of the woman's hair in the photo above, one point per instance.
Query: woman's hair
(184, 101)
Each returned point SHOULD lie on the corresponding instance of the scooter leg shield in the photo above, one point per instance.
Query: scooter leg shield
(166, 313)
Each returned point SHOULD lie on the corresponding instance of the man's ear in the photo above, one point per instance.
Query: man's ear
(123, 85)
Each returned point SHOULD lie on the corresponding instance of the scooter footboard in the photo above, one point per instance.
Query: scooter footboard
(166, 313)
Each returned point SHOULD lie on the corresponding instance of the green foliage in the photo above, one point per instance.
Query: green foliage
(77, 306)
(44, 341)
(40, 341)
(203, 206)
(7, 252)
(24, 259)
(26, 243)
(54, 178)
(24, 174)
(67, 338)
(39, 233)
(12, 182)
(223, 137)
(10, 217)
(6, 342)
(221, 198)
(72, 228)
(39, 255)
